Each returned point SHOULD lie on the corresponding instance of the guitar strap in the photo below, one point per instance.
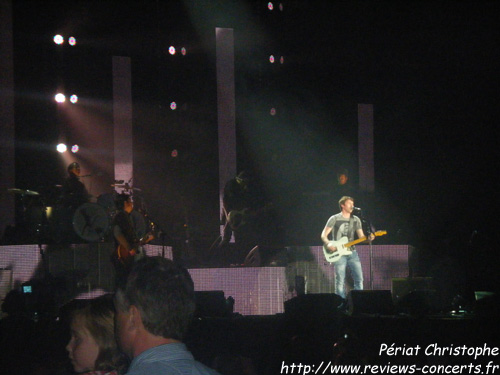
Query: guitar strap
(350, 234)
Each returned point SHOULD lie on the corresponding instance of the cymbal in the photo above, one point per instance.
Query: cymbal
(22, 192)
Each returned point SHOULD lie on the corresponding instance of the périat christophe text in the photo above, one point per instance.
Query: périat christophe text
(437, 350)
(470, 357)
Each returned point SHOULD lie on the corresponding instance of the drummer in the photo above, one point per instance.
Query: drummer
(74, 192)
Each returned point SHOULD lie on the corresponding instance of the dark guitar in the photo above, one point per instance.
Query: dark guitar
(239, 218)
(125, 256)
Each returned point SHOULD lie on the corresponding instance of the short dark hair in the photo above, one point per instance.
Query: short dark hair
(163, 292)
(343, 200)
(120, 200)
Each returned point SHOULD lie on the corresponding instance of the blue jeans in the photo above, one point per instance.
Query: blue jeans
(355, 267)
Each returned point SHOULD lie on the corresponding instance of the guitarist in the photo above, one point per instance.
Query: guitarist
(238, 199)
(127, 245)
(345, 224)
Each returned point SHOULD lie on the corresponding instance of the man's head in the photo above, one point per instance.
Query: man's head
(342, 177)
(74, 169)
(156, 303)
(346, 204)
(124, 202)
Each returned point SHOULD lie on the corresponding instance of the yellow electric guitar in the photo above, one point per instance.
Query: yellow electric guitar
(343, 246)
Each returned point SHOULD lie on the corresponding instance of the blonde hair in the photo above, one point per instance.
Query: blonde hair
(98, 318)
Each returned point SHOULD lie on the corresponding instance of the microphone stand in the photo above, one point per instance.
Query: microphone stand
(371, 263)
(365, 223)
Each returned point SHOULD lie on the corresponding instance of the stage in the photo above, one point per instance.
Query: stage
(85, 270)
(282, 313)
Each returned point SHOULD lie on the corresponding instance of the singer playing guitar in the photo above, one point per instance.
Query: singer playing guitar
(345, 224)
(127, 245)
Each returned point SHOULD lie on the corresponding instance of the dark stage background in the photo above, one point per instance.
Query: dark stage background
(430, 69)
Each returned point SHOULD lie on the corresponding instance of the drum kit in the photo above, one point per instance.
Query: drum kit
(45, 219)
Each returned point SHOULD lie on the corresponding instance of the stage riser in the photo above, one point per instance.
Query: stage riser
(388, 261)
(88, 265)
(256, 290)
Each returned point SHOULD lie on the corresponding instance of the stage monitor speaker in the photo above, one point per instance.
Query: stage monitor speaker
(418, 302)
(211, 304)
(401, 286)
(370, 302)
(487, 304)
(414, 295)
(312, 305)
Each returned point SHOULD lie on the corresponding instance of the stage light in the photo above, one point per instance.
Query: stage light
(271, 59)
(72, 41)
(281, 7)
(173, 106)
(171, 50)
(58, 39)
(282, 60)
(60, 98)
(183, 51)
(273, 111)
(270, 6)
(61, 147)
(73, 99)
(75, 149)
(174, 153)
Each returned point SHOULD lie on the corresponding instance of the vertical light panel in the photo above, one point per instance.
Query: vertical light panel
(122, 118)
(225, 107)
(365, 147)
(7, 133)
